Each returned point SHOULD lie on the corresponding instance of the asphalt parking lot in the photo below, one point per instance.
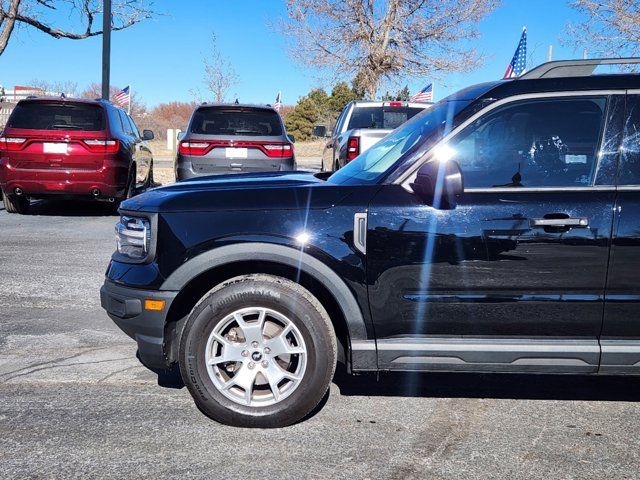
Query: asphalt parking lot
(74, 401)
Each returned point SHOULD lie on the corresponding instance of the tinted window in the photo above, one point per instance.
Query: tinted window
(217, 121)
(539, 143)
(134, 128)
(124, 122)
(630, 158)
(57, 116)
(381, 117)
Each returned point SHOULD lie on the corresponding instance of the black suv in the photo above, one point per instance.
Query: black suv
(494, 232)
(223, 138)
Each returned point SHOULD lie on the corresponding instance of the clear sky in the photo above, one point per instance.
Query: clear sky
(162, 58)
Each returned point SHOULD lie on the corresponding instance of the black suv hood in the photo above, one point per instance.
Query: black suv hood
(261, 191)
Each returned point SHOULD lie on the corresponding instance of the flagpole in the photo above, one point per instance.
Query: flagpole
(130, 97)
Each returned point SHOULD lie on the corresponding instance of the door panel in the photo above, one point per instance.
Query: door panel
(482, 269)
(621, 328)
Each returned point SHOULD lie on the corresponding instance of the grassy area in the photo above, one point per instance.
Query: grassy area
(159, 148)
(313, 148)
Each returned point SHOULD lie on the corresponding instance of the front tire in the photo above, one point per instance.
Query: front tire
(258, 351)
(15, 204)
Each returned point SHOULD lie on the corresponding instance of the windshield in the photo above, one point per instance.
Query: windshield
(229, 121)
(381, 117)
(409, 138)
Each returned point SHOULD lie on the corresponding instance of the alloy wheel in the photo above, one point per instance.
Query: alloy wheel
(256, 357)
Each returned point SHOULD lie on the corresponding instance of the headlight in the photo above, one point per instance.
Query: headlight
(133, 237)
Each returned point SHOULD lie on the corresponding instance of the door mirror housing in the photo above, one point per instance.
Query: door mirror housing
(438, 183)
(319, 131)
(147, 135)
(292, 139)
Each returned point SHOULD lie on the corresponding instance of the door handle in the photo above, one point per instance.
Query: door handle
(577, 222)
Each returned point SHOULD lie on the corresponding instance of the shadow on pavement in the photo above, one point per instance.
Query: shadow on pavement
(71, 208)
(504, 386)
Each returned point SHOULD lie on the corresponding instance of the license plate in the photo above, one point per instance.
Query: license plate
(55, 148)
(232, 152)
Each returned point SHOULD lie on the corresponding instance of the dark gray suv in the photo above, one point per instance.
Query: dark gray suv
(224, 138)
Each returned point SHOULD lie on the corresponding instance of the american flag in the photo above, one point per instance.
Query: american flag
(278, 103)
(519, 61)
(123, 97)
(424, 95)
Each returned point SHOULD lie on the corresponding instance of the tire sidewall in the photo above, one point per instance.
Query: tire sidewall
(320, 361)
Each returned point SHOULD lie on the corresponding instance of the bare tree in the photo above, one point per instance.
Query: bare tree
(370, 41)
(94, 90)
(610, 27)
(219, 74)
(34, 13)
(67, 87)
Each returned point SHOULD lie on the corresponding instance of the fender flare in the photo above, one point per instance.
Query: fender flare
(289, 256)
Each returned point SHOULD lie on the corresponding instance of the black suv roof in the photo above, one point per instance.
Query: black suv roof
(558, 76)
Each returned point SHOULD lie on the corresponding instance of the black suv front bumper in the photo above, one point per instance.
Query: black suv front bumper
(125, 306)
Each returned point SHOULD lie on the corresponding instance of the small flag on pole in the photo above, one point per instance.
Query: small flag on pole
(123, 97)
(278, 103)
(519, 61)
(424, 95)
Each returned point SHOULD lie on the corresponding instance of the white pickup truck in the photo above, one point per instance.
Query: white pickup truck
(361, 125)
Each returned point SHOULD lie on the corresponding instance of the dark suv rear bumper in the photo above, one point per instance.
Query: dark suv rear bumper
(185, 169)
(125, 306)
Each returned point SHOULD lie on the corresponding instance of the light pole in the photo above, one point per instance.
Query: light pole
(106, 47)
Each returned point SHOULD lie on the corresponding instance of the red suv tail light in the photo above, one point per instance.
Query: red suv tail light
(193, 148)
(102, 146)
(353, 148)
(284, 150)
(11, 144)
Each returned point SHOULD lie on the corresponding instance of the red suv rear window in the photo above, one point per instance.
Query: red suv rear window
(57, 116)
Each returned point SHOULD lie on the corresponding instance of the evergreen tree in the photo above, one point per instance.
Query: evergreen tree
(341, 94)
(404, 95)
(302, 119)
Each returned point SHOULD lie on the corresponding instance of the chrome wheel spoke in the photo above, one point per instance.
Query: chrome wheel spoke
(280, 345)
(231, 352)
(252, 331)
(245, 378)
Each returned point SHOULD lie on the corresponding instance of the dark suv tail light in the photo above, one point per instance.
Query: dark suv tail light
(278, 150)
(200, 148)
(11, 144)
(194, 148)
(353, 148)
(102, 146)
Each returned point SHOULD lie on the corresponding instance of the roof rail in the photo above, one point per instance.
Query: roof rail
(573, 68)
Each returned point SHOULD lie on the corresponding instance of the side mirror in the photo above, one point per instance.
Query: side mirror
(438, 183)
(147, 135)
(292, 139)
(319, 131)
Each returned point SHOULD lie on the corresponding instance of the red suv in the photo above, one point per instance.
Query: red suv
(71, 147)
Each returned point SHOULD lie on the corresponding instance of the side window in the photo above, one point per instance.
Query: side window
(629, 172)
(134, 128)
(532, 143)
(340, 121)
(126, 126)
